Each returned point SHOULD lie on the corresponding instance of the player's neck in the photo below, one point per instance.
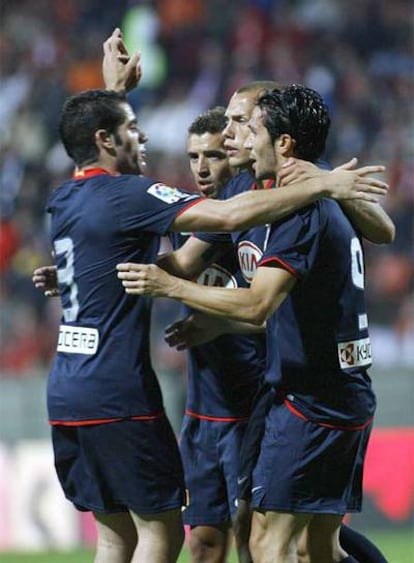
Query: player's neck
(100, 164)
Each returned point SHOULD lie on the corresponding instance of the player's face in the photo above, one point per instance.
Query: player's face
(130, 158)
(142, 151)
(261, 147)
(208, 163)
(238, 115)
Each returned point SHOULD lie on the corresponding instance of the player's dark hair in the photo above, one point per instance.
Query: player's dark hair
(211, 121)
(84, 114)
(259, 87)
(300, 112)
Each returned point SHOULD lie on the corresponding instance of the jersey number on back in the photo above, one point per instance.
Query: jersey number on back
(65, 275)
(357, 263)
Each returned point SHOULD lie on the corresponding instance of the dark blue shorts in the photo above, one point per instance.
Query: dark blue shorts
(210, 452)
(305, 467)
(120, 466)
(250, 447)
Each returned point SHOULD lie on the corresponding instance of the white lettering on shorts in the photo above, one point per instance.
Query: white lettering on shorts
(354, 353)
(168, 194)
(78, 340)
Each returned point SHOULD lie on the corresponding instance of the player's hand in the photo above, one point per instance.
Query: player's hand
(145, 279)
(348, 182)
(120, 70)
(296, 170)
(45, 279)
(198, 328)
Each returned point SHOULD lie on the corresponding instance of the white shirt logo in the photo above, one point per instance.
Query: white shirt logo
(249, 255)
(168, 194)
(355, 353)
(216, 276)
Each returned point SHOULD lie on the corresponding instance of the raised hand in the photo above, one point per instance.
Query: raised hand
(120, 70)
(45, 279)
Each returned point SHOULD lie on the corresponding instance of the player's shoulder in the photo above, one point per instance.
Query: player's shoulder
(240, 183)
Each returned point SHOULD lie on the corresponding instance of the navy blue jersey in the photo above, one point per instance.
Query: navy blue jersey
(102, 370)
(319, 335)
(225, 374)
(248, 244)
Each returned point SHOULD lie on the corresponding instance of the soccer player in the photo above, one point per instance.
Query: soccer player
(309, 286)
(115, 452)
(224, 377)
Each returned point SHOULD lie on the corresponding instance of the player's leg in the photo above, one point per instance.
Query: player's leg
(242, 527)
(117, 538)
(249, 452)
(160, 536)
(323, 539)
(210, 544)
(359, 546)
(274, 536)
(207, 512)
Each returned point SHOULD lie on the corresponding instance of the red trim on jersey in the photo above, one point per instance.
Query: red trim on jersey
(103, 420)
(190, 205)
(217, 418)
(267, 185)
(285, 265)
(89, 173)
(294, 411)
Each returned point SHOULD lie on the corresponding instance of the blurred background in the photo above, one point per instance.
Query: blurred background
(195, 53)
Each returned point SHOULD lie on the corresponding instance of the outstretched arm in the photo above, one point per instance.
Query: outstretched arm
(269, 288)
(267, 206)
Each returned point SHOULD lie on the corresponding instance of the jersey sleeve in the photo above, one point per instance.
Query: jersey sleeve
(147, 205)
(214, 238)
(293, 242)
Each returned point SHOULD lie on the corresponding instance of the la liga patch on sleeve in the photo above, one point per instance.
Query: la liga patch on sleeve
(167, 194)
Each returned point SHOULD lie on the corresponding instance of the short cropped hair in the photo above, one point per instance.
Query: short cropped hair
(300, 112)
(259, 87)
(211, 121)
(84, 114)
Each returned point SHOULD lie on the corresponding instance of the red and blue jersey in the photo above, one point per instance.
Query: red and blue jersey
(318, 339)
(225, 374)
(102, 370)
(318, 347)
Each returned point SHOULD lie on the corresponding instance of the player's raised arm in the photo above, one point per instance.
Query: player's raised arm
(267, 206)
(121, 72)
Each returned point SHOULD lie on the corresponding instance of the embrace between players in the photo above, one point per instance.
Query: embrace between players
(287, 261)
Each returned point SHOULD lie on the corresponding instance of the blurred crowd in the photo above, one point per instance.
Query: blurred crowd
(195, 53)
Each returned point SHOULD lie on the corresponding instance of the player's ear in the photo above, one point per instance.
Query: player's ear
(104, 140)
(285, 144)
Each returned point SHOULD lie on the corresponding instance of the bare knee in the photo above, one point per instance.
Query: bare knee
(210, 544)
(160, 536)
(117, 538)
(323, 539)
